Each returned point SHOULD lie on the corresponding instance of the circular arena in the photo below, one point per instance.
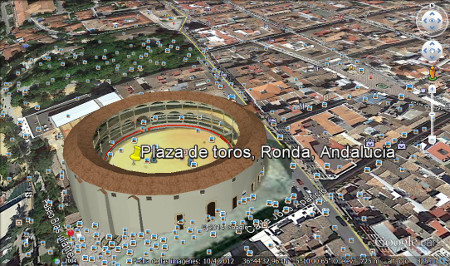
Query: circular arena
(116, 191)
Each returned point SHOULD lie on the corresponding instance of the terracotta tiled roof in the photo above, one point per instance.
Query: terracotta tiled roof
(268, 90)
(351, 117)
(438, 212)
(441, 151)
(323, 120)
(440, 230)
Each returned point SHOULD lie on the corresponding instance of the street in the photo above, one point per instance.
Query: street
(59, 7)
(309, 58)
(346, 232)
(395, 87)
(441, 120)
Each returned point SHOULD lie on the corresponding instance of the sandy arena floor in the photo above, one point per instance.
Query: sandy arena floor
(184, 138)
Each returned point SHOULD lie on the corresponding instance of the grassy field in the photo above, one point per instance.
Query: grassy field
(184, 138)
(99, 60)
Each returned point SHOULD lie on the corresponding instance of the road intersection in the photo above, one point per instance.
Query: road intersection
(348, 233)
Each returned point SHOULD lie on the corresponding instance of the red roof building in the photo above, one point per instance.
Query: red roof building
(441, 231)
(441, 151)
(440, 213)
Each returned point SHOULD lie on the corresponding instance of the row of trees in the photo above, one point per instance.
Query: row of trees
(49, 79)
(33, 156)
(15, 144)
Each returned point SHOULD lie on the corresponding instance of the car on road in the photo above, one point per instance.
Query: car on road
(278, 232)
(341, 221)
(401, 192)
(307, 190)
(300, 182)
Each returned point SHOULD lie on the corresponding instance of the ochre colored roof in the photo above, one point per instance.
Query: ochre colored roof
(323, 119)
(269, 90)
(83, 160)
(350, 117)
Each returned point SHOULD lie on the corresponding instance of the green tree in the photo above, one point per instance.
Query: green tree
(3, 166)
(41, 156)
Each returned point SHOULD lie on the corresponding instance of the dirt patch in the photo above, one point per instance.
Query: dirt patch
(2, 144)
(70, 89)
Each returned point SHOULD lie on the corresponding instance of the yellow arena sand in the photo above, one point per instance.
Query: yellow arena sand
(185, 138)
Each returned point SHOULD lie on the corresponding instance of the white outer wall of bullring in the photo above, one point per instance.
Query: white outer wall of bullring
(158, 214)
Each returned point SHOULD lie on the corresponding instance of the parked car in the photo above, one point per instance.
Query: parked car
(341, 221)
(300, 182)
(307, 190)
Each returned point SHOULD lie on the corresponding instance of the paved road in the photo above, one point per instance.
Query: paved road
(440, 121)
(42, 27)
(370, 78)
(347, 233)
(396, 86)
(54, 32)
(59, 7)
(6, 105)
